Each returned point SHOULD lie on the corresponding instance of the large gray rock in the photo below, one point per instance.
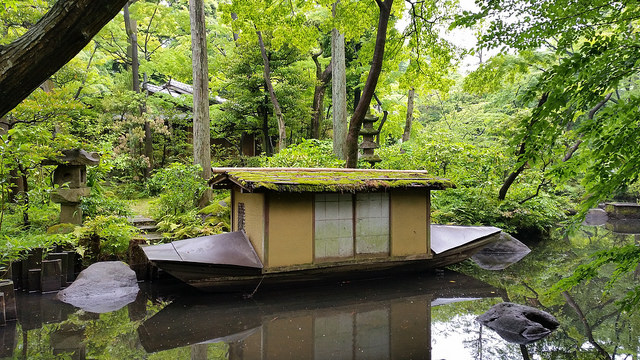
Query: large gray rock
(501, 254)
(102, 287)
(595, 217)
(518, 323)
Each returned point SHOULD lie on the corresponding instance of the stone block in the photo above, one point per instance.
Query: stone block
(71, 214)
(50, 276)
(64, 263)
(71, 266)
(74, 157)
(69, 339)
(74, 176)
(623, 210)
(7, 273)
(69, 196)
(3, 319)
(33, 261)
(8, 340)
(11, 313)
(33, 280)
(16, 274)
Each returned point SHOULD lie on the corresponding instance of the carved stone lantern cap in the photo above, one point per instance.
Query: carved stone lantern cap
(74, 157)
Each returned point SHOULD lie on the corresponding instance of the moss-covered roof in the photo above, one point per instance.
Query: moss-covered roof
(324, 180)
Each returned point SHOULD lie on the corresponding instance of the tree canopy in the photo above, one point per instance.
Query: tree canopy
(542, 124)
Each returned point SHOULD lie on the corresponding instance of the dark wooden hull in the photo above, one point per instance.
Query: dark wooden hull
(226, 278)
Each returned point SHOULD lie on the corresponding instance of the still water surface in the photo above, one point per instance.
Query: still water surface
(430, 316)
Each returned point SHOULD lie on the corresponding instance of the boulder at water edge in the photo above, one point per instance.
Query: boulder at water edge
(518, 323)
(102, 287)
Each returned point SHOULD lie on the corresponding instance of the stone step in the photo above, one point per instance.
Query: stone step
(147, 228)
(140, 220)
(151, 237)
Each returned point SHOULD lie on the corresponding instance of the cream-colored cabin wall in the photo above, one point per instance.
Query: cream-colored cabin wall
(254, 218)
(410, 223)
(290, 232)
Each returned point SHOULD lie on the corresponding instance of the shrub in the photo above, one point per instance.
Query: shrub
(98, 204)
(189, 225)
(310, 153)
(179, 186)
(104, 237)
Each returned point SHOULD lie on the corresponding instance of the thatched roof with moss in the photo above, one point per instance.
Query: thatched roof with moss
(324, 180)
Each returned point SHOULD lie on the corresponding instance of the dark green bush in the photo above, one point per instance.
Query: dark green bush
(180, 187)
(98, 204)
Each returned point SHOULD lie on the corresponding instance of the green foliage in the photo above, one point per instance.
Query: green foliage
(180, 187)
(471, 206)
(625, 259)
(190, 224)
(63, 228)
(16, 246)
(98, 204)
(104, 237)
(309, 153)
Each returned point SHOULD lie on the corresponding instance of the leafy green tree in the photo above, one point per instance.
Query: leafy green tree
(586, 100)
(587, 92)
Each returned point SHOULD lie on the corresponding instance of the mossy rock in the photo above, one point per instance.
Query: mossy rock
(64, 228)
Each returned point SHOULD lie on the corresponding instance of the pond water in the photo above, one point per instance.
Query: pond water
(428, 316)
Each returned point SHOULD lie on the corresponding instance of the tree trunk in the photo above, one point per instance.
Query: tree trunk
(407, 125)
(370, 86)
(339, 92)
(322, 80)
(502, 194)
(282, 130)
(54, 40)
(264, 110)
(201, 130)
(131, 28)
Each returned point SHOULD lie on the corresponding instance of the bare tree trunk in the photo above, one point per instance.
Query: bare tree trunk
(338, 92)
(131, 28)
(201, 130)
(322, 80)
(264, 110)
(370, 86)
(407, 125)
(54, 40)
(282, 130)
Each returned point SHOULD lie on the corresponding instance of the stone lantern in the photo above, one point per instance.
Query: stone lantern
(71, 177)
(368, 145)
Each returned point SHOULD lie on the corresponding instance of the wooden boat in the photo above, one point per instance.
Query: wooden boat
(297, 225)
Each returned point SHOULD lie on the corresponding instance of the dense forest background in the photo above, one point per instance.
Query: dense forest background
(535, 121)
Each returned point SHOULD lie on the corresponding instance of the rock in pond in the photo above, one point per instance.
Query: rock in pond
(102, 287)
(501, 254)
(595, 217)
(518, 324)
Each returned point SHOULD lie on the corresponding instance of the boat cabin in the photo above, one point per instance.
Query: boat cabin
(300, 219)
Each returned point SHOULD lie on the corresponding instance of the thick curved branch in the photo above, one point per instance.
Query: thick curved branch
(585, 323)
(52, 42)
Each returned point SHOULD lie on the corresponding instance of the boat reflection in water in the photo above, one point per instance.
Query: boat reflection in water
(373, 319)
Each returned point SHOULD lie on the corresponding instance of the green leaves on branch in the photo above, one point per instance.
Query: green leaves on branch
(180, 188)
